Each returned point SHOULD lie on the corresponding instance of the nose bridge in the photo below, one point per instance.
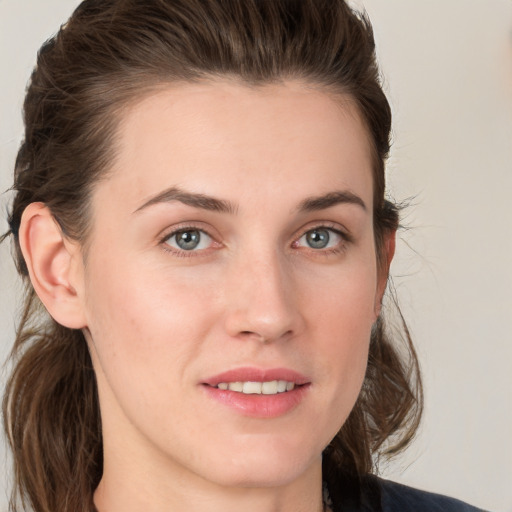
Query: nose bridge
(261, 297)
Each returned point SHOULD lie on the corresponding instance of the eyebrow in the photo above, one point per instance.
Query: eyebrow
(331, 199)
(206, 202)
(191, 199)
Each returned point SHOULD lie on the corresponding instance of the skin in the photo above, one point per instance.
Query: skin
(160, 320)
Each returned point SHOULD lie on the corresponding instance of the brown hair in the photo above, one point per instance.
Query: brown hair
(108, 54)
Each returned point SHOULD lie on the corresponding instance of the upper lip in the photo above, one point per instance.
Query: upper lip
(249, 374)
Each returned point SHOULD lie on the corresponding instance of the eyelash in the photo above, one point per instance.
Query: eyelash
(183, 229)
(339, 248)
(345, 239)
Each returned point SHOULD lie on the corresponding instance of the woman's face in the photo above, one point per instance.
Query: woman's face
(232, 245)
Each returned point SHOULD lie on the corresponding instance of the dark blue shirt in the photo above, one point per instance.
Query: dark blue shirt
(397, 497)
(378, 495)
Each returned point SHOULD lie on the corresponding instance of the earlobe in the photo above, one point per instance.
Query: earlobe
(53, 265)
(388, 251)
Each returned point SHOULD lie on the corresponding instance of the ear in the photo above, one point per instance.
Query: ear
(388, 251)
(54, 264)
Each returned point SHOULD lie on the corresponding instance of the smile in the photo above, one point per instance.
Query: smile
(272, 387)
(258, 392)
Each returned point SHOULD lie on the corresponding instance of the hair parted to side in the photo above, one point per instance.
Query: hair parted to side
(108, 55)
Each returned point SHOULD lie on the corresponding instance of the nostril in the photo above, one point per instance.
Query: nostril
(263, 338)
(255, 335)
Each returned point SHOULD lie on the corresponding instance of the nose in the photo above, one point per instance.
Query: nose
(262, 300)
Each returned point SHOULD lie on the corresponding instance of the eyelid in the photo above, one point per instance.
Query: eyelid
(199, 226)
(186, 226)
(327, 225)
(332, 226)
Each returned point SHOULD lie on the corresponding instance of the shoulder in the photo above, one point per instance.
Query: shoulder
(373, 494)
(394, 497)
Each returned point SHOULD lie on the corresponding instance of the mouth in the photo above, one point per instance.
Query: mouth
(258, 393)
(257, 381)
(271, 387)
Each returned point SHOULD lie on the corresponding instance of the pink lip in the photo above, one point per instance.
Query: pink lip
(258, 406)
(246, 374)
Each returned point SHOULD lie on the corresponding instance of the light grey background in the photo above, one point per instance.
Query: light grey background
(448, 73)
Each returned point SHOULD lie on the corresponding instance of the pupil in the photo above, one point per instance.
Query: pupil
(318, 238)
(188, 240)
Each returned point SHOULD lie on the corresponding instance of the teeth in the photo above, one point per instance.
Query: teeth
(252, 388)
(269, 388)
(258, 388)
(236, 386)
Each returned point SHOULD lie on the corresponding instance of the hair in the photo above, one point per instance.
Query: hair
(109, 54)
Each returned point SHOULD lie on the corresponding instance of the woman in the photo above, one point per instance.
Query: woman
(200, 210)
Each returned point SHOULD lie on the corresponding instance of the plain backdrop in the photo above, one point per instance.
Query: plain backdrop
(447, 67)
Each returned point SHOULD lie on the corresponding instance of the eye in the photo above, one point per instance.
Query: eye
(188, 240)
(320, 238)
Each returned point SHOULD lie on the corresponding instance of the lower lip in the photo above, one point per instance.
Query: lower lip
(259, 406)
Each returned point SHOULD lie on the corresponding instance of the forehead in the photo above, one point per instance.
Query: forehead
(230, 140)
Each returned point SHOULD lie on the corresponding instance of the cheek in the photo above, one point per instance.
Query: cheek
(345, 336)
(143, 324)
(341, 317)
(343, 305)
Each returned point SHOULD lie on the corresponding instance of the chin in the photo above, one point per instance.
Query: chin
(267, 475)
(272, 465)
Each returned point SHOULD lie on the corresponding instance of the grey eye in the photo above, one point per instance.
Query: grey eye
(318, 238)
(189, 240)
